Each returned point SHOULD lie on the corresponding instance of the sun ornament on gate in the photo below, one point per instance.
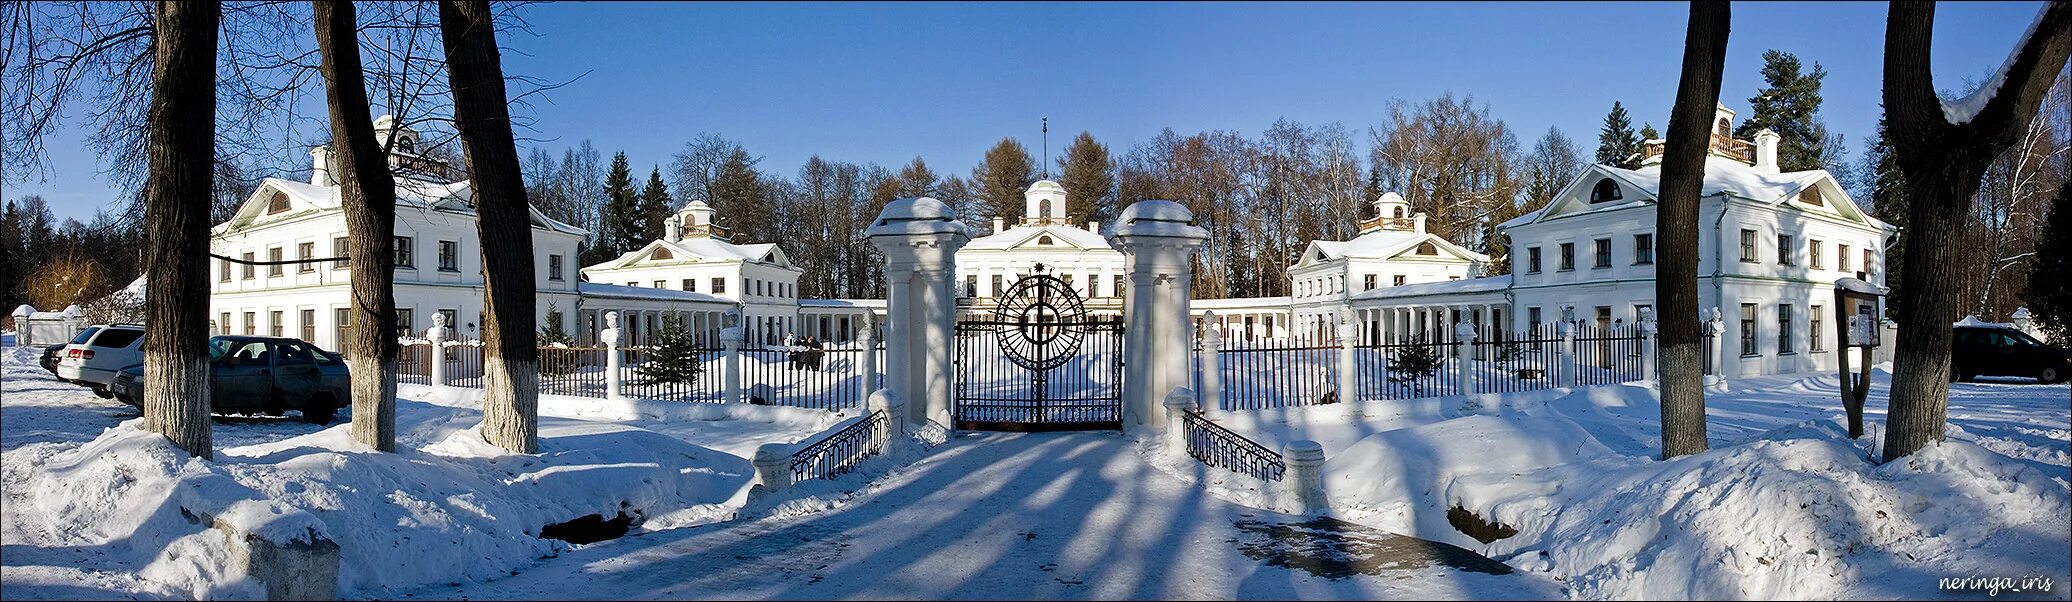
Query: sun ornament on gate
(1041, 321)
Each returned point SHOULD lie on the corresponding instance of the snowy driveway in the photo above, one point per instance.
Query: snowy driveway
(996, 515)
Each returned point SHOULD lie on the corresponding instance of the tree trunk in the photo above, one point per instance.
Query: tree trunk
(1942, 164)
(481, 112)
(368, 193)
(176, 220)
(1676, 230)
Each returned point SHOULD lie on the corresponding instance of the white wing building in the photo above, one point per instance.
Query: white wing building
(694, 256)
(988, 265)
(1393, 249)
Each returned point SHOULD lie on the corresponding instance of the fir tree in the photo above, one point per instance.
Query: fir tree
(2049, 289)
(1413, 363)
(675, 358)
(1647, 132)
(654, 206)
(1088, 174)
(1889, 203)
(1617, 146)
(620, 231)
(555, 358)
(1789, 104)
(1001, 178)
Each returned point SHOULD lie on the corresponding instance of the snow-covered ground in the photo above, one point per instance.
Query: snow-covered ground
(1785, 505)
(95, 508)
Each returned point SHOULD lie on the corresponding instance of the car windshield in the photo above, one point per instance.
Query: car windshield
(86, 335)
(219, 347)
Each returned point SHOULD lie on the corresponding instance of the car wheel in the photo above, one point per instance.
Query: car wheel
(2050, 375)
(321, 410)
(103, 393)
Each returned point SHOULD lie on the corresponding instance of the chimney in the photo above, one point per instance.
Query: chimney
(1766, 151)
(999, 224)
(1420, 222)
(1093, 226)
(320, 167)
(672, 228)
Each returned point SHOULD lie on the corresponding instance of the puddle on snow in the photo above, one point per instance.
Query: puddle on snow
(1335, 549)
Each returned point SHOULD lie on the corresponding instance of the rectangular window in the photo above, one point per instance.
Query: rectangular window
(1819, 341)
(250, 270)
(1532, 260)
(223, 327)
(339, 248)
(304, 252)
(633, 284)
(1813, 257)
(997, 288)
(309, 325)
(251, 323)
(1842, 258)
(449, 256)
(1070, 282)
(344, 317)
(1643, 249)
(1369, 280)
(662, 284)
(554, 270)
(690, 284)
(225, 275)
(971, 285)
(1748, 245)
(1400, 280)
(1093, 286)
(1568, 256)
(1867, 261)
(1118, 285)
(404, 256)
(273, 255)
(1785, 344)
(406, 325)
(719, 286)
(1747, 329)
(1786, 252)
(1603, 246)
(1532, 320)
(275, 327)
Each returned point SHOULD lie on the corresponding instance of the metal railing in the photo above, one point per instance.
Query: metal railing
(1219, 447)
(1278, 373)
(578, 371)
(1607, 355)
(1526, 363)
(640, 380)
(841, 450)
(1405, 368)
(827, 378)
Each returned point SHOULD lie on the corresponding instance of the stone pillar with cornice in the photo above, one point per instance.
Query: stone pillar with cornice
(1158, 240)
(919, 238)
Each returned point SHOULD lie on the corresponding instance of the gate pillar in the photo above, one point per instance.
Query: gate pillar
(920, 238)
(1158, 240)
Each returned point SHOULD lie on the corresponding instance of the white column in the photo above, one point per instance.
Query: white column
(920, 238)
(1348, 333)
(1157, 240)
(730, 359)
(1212, 365)
(867, 370)
(614, 356)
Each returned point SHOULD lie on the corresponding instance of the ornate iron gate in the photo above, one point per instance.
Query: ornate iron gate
(1038, 362)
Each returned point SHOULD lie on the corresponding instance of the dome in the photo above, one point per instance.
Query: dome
(1046, 186)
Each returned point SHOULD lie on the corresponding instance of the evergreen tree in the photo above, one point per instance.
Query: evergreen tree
(1647, 132)
(1789, 103)
(654, 207)
(620, 231)
(1000, 179)
(1373, 189)
(1088, 174)
(2049, 289)
(1887, 194)
(739, 202)
(1617, 146)
(676, 357)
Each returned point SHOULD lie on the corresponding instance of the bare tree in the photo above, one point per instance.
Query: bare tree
(368, 193)
(510, 401)
(1943, 150)
(182, 146)
(1676, 224)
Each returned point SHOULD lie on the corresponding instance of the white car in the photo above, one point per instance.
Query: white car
(94, 363)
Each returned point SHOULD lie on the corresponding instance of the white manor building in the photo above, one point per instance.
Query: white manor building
(1771, 245)
(1393, 249)
(695, 256)
(438, 260)
(988, 265)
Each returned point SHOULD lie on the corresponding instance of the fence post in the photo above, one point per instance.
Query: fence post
(1718, 328)
(1564, 354)
(1177, 404)
(773, 466)
(867, 366)
(22, 332)
(1157, 240)
(1348, 364)
(730, 357)
(1464, 335)
(1211, 363)
(894, 407)
(437, 335)
(1302, 488)
(1645, 331)
(613, 356)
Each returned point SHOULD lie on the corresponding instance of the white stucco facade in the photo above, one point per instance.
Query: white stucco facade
(694, 256)
(1393, 249)
(990, 264)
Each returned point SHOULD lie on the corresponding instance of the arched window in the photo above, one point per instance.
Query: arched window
(1043, 209)
(1399, 213)
(1043, 240)
(406, 144)
(1427, 249)
(1810, 196)
(662, 253)
(1725, 130)
(1606, 190)
(277, 204)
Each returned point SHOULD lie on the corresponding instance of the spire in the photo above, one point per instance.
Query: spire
(1046, 148)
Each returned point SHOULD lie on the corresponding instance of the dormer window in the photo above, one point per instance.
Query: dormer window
(661, 254)
(277, 204)
(407, 145)
(1427, 249)
(1399, 213)
(1810, 196)
(1044, 240)
(1606, 190)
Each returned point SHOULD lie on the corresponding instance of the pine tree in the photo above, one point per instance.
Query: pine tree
(1000, 179)
(1647, 132)
(1789, 104)
(654, 207)
(621, 229)
(2049, 289)
(1088, 174)
(1617, 146)
(738, 200)
(676, 357)
(1889, 203)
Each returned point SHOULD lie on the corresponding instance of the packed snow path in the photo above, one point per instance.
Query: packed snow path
(1022, 516)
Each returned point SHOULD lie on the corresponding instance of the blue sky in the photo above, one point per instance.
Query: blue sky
(883, 83)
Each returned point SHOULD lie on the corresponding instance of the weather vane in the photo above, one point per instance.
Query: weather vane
(1046, 148)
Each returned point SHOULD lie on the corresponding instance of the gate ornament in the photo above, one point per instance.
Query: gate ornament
(1043, 321)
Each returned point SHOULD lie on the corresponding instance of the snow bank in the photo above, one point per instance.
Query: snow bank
(446, 507)
(1797, 511)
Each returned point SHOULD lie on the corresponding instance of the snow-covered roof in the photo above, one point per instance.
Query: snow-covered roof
(843, 303)
(1384, 244)
(1450, 287)
(1158, 218)
(1027, 235)
(410, 193)
(1974, 321)
(701, 249)
(601, 290)
(1722, 176)
(918, 215)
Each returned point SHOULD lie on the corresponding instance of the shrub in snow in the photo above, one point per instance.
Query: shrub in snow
(676, 358)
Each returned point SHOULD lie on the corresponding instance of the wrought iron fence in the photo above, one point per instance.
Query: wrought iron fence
(1607, 355)
(578, 371)
(823, 378)
(841, 450)
(1511, 365)
(1405, 368)
(1219, 447)
(464, 364)
(1705, 350)
(1278, 373)
(414, 363)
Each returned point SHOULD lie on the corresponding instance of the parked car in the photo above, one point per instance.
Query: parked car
(2002, 351)
(93, 363)
(51, 353)
(265, 375)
